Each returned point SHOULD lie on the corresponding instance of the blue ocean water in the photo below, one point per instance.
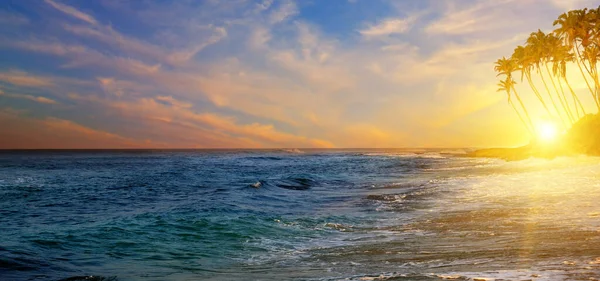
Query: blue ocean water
(296, 215)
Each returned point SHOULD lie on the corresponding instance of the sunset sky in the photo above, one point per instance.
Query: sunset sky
(241, 73)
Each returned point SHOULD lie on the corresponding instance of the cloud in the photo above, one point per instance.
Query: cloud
(179, 113)
(72, 12)
(264, 5)
(28, 97)
(20, 131)
(13, 19)
(21, 78)
(108, 35)
(479, 19)
(286, 9)
(573, 4)
(388, 27)
(174, 102)
(78, 54)
(139, 48)
(180, 57)
(81, 56)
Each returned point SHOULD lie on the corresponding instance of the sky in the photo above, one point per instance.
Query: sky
(263, 74)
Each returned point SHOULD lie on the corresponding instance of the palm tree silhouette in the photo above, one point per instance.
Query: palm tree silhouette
(536, 44)
(560, 58)
(506, 67)
(575, 40)
(575, 33)
(507, 86)
(524, 63)
(552, 44)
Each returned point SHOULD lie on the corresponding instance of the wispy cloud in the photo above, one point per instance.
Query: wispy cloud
(72, 12)
(28, 97)
(21, 131)
(13, 19)
(179, 112)
(285, 10)
(388, 27)
(184, 56)
(21, 78)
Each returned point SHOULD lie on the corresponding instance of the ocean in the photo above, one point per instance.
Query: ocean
(387, 214)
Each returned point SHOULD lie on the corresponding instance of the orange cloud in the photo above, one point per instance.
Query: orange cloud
(21, 78)
(28, 97)
(180, 113)
(368, 136)
(20, 131)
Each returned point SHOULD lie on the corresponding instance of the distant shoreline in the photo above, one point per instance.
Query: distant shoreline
(519, 153)
(581, 139)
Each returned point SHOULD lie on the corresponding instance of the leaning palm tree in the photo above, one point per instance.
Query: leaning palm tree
(574, 30)
(560, 59)
(591, 50)
(525, 65)
(576, 40)
(535, 49)
(552, 45)
(590, 55)
(507, 86)
(506, 67)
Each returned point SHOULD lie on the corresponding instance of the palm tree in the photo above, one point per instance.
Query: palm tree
(593, 51)
(535, 49)
(507, 86)
(506, 67)
(559, 67)
(591, 54)
(576, 39)
(573, 29)
(551, 45)
(525, 64)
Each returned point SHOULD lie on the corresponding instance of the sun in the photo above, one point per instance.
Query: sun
(547, 131)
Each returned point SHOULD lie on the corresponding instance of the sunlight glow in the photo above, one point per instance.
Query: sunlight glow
(547, 131)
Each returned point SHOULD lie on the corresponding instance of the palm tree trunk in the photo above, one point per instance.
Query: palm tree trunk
(575, 98)
(552, 100)
(595, 76)
(591, 73)
(576, 115)
(564, 102)
(521, 118)
(531, 128)
(593, 92)
(536, 92)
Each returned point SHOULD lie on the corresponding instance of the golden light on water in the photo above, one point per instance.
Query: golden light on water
(547, 131)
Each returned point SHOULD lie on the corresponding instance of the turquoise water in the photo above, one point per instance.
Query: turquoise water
(296, 215)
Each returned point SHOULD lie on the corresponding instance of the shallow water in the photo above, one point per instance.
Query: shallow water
(296, 215)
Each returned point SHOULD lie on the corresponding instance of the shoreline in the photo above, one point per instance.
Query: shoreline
(583, 138)
(521, 153)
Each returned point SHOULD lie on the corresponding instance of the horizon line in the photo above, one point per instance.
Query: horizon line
(231, 148)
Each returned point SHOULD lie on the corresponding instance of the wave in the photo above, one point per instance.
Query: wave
(296, 183)
(454, 152)
(387, 197)
(293, 150)
(290, 183)
(269, 158)
(89, 278)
